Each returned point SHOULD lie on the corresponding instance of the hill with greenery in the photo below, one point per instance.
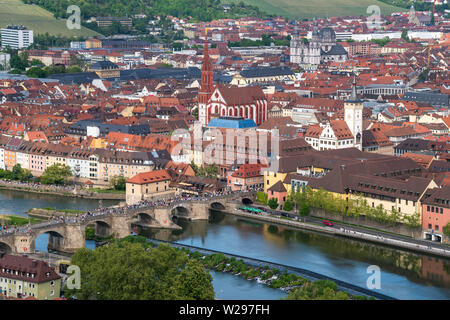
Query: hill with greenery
(37, 19)
(418, 5)
(296, 9)
(201, 10)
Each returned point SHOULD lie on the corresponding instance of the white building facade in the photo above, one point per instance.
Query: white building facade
(16, 37)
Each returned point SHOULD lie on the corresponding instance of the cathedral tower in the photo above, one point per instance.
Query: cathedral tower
(207, 85)
(353, 109)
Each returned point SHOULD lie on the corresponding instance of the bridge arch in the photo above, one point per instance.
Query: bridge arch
(181, 211)
(246, 201)
(217, 205)
(5, 247)
(56, 240)
(102, 228)
(144, 218)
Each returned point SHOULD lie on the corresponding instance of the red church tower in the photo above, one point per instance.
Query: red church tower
(207, 86)
(244, 102)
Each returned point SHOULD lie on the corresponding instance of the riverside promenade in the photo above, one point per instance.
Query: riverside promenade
(378, 237)
(65, 191)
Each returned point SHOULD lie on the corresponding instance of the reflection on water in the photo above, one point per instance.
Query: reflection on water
(405, 275)
(15, 202)
(41, 243)
(18, 203)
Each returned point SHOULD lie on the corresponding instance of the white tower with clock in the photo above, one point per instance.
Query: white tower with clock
(353, 110)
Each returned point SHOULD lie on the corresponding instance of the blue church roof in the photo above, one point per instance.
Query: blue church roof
(232, 123)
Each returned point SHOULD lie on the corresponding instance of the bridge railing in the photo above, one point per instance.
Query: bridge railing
(118, 211)
(168, 204)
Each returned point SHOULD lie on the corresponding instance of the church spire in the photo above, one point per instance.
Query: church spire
(205, 47)
(207, 84)
(354, 96)
(207, 68)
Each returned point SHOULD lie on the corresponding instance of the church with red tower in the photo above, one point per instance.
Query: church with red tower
(222, 101)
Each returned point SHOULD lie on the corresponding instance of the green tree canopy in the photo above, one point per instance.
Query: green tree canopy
(262, 197)
(304, 209)
(209, 171)
(129, 271)
(447, 229)
(56, 174)
(36, 72)
(318, 290)
(287, 206)
(118, 182)
(273, 203)
(405, 35)
(17, 173)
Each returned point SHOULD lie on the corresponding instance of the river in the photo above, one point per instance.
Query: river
(404, 275)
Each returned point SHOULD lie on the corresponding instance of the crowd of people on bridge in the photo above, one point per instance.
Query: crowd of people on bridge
(118, 210)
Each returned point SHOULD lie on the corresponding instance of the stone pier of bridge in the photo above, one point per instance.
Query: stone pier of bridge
(70, 236)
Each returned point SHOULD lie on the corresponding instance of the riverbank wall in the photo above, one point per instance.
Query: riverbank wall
(383, 240)
(363, 221)
(65, 192)
(47, 214)
(310, 275)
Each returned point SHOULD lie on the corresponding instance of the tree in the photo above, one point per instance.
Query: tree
(273, 203)
(192, 280)
(74, 69)
(56, 174)
(209, 171)
(19, 62)
(446, 230)
(135, 272)
(36, 62)
(118, 182)
(212, 171)
(36, 72)
(381, 42)
(318, 290)
(17, 172)
(261, 197)
(287, 206)
(405, 35)
(424, 75)
(304, 209)
(195, 113)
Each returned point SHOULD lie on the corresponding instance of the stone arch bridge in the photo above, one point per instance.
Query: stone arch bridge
(69, 235)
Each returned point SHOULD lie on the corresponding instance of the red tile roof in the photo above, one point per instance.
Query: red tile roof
(24, 265)
(248, 170)
(150, 177)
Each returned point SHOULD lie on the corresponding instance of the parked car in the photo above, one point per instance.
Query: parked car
(328, 223)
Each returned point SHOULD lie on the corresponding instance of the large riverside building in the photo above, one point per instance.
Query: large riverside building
(16, 37)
